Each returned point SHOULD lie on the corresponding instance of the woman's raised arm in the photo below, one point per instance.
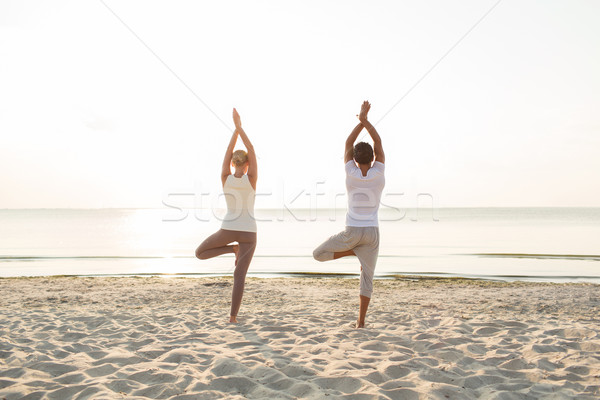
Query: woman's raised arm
(252, 164)
(226, 168)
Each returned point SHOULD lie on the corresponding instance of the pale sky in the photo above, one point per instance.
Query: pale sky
(90, 118)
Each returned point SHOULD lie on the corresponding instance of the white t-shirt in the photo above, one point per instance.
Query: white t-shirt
(364, 194)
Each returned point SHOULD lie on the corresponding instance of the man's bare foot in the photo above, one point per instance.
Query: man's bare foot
(236, 249)
(233, 320)
(359, 324)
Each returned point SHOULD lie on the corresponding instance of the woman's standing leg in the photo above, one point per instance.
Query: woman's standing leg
(247, 243)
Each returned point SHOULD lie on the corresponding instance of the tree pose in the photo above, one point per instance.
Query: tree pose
(238, 230)
(364, 183)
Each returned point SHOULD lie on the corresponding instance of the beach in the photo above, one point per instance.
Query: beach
(169, 338)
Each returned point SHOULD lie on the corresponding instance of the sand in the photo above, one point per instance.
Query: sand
(112, 338)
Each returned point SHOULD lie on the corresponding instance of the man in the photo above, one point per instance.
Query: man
(364, 182)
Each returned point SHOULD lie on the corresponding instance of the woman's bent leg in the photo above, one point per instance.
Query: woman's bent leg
(216, 244)
(247, 243)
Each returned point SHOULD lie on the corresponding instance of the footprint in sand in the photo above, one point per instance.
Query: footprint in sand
(227, 367)
(103, 370)
(123, 386)
(516, 364)
(343, 384)
(53, 369)
(479, 381)
(66, 392)
(158, 391)
(486, 331)
(13, 373)
(396, 371)
(401, 394)
(73, 378)
(149, 378)
(237, 384)
(179, 357)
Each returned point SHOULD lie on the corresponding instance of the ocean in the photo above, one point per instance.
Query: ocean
(534, 244)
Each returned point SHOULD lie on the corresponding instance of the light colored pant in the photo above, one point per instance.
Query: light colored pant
(364, 241)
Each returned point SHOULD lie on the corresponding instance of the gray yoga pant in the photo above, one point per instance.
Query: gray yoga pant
(217, 244)
(364, 241)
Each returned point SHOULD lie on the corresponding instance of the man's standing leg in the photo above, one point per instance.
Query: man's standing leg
(362, 311)
(367, 253)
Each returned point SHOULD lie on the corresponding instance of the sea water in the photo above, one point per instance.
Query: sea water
(542, 244)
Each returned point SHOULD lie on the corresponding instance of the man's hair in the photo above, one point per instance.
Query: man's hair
(239, 158)
(363, 153)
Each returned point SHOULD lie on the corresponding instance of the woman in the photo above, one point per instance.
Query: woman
(239, 224)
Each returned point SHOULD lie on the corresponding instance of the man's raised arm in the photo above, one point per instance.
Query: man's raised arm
(349, 149)
(378, 147)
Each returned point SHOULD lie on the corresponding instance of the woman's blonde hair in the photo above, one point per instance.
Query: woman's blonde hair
(239, 158)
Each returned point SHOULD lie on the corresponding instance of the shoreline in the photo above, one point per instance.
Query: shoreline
(442, 277)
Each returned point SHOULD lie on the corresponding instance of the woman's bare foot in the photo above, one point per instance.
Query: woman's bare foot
(236, 249)
(359, 324)
(233, 320)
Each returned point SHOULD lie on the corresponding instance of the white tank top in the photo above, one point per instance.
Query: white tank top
(239, 195)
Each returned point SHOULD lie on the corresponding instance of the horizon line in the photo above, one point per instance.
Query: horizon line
(285, 208)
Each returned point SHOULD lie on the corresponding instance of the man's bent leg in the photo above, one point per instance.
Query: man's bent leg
(341, 254)
(339, 243)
